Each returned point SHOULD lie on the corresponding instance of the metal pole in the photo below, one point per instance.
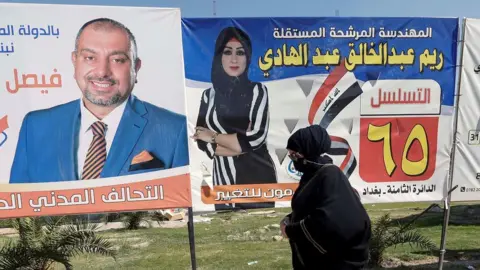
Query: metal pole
(446, 213)
(446, 218)
(191, 238)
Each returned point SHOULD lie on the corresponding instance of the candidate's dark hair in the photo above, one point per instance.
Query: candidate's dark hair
(105, 24)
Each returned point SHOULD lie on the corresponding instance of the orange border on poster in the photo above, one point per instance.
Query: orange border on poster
(162, 193)
(248, 193)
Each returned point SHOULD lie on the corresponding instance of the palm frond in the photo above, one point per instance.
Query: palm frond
(385, 234)
(53, 223)
(29, 230)
(382, 224)
(78, 238)
(14, 256)
(39, 248)
(85, 227)
(49, 253)
(93, 245)
(133, 220)
(413, 238)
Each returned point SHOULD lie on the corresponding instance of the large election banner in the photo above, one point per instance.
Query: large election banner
(383, 88)
(466, 172)
(92, 110)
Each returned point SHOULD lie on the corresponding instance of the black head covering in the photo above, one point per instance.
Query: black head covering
(233, 95)
(311, 142)
(222, 82)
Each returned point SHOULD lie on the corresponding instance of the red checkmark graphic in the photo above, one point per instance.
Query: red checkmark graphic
(3, 124)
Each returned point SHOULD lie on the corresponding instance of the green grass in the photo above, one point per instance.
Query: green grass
(232, 240)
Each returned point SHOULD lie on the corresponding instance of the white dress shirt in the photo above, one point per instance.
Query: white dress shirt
(85, 135)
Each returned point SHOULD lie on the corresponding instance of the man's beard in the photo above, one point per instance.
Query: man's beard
(114, 100)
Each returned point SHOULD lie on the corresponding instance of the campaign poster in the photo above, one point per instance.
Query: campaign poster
(92, 110)
(382, 87)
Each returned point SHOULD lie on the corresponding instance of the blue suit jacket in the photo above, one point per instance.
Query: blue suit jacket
(48, 142)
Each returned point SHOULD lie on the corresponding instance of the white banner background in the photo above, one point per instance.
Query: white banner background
(288, 101)
(467, 156)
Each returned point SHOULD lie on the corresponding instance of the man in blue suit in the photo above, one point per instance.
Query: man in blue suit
(108, 132)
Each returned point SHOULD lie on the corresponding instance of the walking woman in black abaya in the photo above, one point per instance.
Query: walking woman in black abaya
(233, 119)
(328, 227)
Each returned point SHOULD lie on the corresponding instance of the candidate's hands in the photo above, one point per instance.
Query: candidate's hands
(204, 134)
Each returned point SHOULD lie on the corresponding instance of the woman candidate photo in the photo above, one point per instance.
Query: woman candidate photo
(233, 119)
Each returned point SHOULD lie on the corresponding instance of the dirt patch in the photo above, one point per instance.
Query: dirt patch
(141, 245)
(173, 224)
(7, 231)
(428, 263)
(127, 239)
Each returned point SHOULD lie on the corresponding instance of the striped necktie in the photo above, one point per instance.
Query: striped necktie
(97, 152)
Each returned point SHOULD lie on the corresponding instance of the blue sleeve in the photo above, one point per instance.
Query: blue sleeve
(181, 157)
(19, 171)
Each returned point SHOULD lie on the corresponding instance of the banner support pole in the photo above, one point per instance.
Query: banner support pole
(446, 215)
(191, 239)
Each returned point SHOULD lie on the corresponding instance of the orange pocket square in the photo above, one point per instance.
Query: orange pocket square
(144, 156)
(145, 161)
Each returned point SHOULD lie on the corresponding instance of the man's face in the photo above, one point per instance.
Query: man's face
(104, 68)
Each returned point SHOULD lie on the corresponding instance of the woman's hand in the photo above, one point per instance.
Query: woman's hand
(283, 225)
(226, 144)
(204, 134)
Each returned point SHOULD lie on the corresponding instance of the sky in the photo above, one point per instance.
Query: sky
(298, 8)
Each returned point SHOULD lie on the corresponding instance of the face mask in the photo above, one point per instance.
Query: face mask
(300, 165)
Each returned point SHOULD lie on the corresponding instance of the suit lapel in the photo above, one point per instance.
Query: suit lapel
(69, 138)
(129, 130)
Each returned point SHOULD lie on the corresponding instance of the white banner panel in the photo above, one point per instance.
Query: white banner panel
(467, 156)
